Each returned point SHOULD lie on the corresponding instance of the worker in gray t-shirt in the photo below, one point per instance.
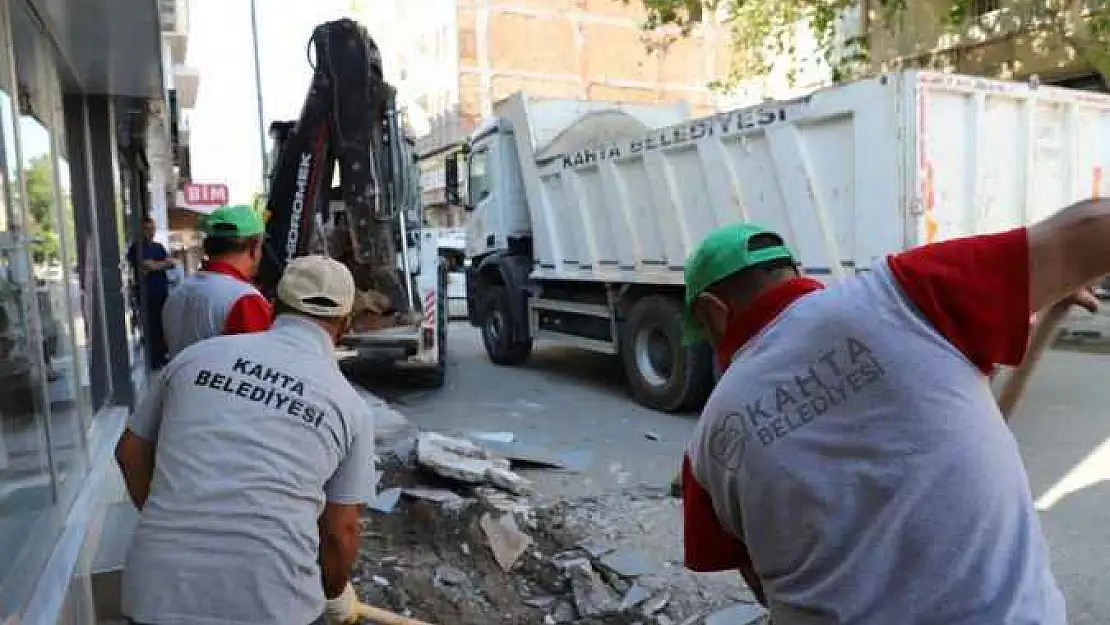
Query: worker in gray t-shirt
(250, 459)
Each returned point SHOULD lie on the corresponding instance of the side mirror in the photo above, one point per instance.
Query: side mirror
(452, 175)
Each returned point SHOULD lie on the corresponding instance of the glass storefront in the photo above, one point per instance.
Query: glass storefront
(45, 405)
(73, 184)
(27, 494)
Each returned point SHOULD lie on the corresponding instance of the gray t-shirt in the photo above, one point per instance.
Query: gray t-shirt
(254, 433)
(863, 461)
(198, 308)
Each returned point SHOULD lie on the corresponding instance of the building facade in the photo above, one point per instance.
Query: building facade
(452, 60)
(86, 149)
(1010, 39)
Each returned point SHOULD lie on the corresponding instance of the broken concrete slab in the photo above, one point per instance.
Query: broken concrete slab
(503, 478)
(596, 547)
(506, 540)
(655, 604)
(502, 501)
(739, 614)
(453, 458)
(663, 619)
(592, 596)
(437, 495)
(542, 603)
(459, 446)
(636, 595)
(628, 562)
(386, 501)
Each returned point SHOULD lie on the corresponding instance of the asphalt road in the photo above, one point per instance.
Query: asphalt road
(574, 403)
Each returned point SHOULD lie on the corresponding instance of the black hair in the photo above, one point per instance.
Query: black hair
(215, 247)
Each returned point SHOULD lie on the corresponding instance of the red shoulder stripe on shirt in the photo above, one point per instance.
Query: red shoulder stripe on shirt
(250, 313)
(974, 291)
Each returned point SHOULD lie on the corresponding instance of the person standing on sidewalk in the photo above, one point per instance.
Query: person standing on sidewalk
(852, 462)
(249, 460)
(151, 263)
(220, 299)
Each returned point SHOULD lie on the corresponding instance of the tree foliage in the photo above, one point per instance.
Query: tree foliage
(765, 30)
(39, 178)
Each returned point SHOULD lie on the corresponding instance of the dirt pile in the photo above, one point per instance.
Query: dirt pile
(461, 554)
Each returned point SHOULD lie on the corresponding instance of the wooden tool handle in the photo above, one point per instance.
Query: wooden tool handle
(1014, 385)
(378, 616)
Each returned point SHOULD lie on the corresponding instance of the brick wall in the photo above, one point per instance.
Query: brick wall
(589, 49)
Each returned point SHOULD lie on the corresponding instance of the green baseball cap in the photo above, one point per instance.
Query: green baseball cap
(233, 221)
(723, 252)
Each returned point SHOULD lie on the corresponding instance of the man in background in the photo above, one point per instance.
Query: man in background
(220, 298)
(151, 263)
(249, 461)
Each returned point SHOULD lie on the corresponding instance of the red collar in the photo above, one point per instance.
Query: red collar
(225, 269)
(763, 310)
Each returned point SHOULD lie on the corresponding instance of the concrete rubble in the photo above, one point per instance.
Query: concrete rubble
(455, 537)
(506, 540)
(465, 461)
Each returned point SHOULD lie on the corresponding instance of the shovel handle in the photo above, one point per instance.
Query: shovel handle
(1014, 385)
(378, 616)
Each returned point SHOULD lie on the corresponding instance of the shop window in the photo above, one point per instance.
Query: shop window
(50, 222)
(26, 485)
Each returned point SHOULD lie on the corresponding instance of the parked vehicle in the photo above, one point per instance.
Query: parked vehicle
(451, 243)
(583, 212)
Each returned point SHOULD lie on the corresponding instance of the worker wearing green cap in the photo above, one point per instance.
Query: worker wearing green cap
(220, 298)
(852, 462)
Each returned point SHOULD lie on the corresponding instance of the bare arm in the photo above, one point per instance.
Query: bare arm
(1067, 252)
(339, 537)
(157, 265)
(136, 460)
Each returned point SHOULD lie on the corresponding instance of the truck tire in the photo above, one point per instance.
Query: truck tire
(497, 335)
(664, 373)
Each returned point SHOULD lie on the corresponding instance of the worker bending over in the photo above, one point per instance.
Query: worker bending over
(852, 462)
(220, 299)
(249, 459)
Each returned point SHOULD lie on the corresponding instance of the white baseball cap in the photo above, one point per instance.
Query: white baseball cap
(317, 286)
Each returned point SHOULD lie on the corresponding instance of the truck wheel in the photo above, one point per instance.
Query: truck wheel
(497, 329)
(664, 373)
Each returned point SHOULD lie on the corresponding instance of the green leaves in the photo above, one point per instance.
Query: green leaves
(762, 31)
(766, 32)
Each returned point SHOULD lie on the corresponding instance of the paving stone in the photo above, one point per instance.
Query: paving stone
(592, 596)
(506, 540)
(628, 562)
(739, 614)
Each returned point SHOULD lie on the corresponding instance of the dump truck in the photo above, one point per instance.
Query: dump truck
(582, 213)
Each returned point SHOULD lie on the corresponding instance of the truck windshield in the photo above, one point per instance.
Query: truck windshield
(478, 183)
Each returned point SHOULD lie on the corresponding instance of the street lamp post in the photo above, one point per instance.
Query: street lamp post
(258, 98)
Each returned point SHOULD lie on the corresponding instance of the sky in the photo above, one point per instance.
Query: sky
(224, 129)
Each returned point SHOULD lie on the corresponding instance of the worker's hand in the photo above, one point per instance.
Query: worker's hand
(343, 610)
(1084, 298)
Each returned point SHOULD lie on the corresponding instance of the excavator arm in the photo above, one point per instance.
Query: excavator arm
(348, 120)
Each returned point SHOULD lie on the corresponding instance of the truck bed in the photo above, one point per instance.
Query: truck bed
(848, 174)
